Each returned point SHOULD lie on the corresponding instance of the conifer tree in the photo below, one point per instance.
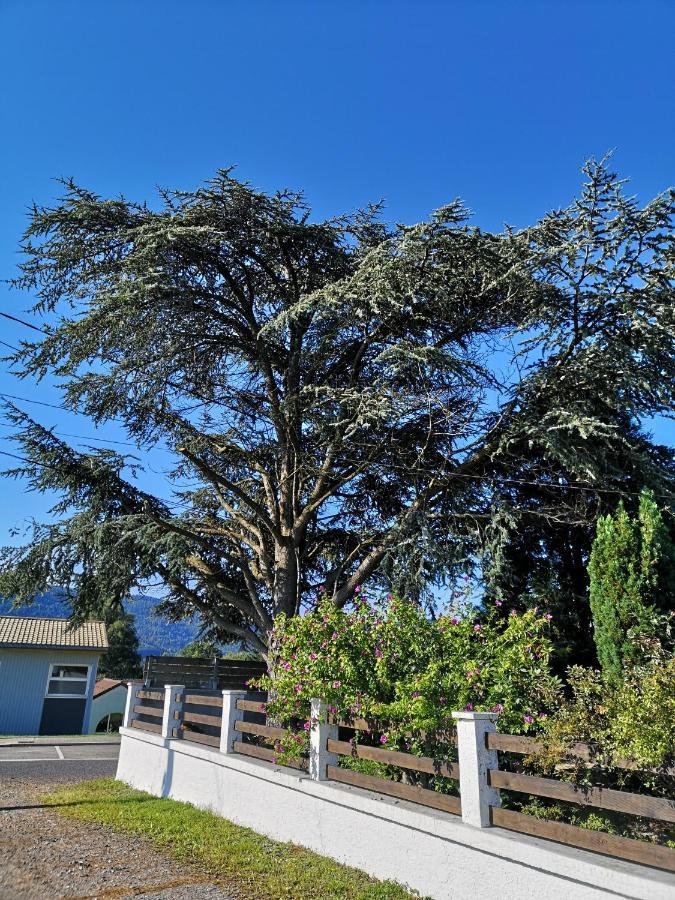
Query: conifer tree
(632, 579)
(336, 401)
(122, 659)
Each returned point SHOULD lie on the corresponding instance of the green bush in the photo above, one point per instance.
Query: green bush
(391, 664)
(632, 718)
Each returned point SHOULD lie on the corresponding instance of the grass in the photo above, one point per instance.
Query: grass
(253, 867)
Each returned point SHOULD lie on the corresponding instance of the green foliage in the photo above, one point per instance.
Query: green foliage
(202, 647)
(643, 720)
(122, 659)
(631, 718)
(246, 864)
(331, 399)
(391, 664)
(632, 574)
(205, 648)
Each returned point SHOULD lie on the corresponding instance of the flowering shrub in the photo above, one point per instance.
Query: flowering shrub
(392, 665)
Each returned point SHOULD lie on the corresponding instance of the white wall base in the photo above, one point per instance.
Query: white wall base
(431, 852)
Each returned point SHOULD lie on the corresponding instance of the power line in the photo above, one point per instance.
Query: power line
(26, 460)
(11, 346)
(83, 437)
(36, 402)
(21, 322)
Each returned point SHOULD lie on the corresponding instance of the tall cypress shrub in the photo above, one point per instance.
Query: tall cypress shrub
(122, 659)
(632, 578)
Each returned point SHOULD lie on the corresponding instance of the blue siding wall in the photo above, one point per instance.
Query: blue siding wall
(23, 683)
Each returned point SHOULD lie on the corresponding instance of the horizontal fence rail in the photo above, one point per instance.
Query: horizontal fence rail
(598, 797)
(527, 746)
(235, 721)
(407, 761)
(412, 792)
(201, 672)
(358, 724)
(596, 841)
(624, 802)
(245, 730)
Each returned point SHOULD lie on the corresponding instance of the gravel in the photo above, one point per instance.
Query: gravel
(44, 855)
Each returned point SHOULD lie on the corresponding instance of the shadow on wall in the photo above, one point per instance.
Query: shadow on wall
(167, 778)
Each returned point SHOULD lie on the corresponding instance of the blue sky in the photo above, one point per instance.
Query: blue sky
(416, 102)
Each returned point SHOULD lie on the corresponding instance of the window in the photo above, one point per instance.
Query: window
(67, 681)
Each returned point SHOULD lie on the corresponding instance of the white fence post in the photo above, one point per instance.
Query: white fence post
(320, 732)
(475, 760)
(174, 695)
(133, 687)
(230, 715)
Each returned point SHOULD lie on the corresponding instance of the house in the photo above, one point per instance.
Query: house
(47, 674)
(107, 705)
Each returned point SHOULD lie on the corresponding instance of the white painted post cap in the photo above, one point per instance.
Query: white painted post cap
(465, 714)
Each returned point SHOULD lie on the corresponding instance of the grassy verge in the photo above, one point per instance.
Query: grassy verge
(251, 865)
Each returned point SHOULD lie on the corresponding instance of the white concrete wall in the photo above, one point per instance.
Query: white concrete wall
(434, 853)
(113, 701)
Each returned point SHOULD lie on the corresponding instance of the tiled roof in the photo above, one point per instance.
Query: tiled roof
(103, 685)
(20, 631)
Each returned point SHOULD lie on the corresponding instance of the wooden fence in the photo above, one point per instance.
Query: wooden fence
(201, 672)
(199, 717)
(642, 805)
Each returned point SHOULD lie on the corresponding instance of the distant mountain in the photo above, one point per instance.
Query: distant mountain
(156, 636)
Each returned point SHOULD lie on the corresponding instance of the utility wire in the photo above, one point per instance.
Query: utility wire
(21, 322)
(37, 402)
(83, 437)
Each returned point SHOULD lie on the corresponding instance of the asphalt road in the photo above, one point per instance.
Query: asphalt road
(46, 762)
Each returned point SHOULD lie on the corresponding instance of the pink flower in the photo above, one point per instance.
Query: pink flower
(322, 588)
(335, 635)
(383, 739)
(336, 684)
(415, 695)
(498, 602)
(476, 627)
(307, 726)
(454, 620)
(297, 688)
(312, 656)
(528, 719)
(331, 710)
(469, 707)
(286, 666)
(548, 617)
(378, 652)
(263, 708)
(497, 708)
(357, 589)
(513, 613)
(542, 715)
(442, 701)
